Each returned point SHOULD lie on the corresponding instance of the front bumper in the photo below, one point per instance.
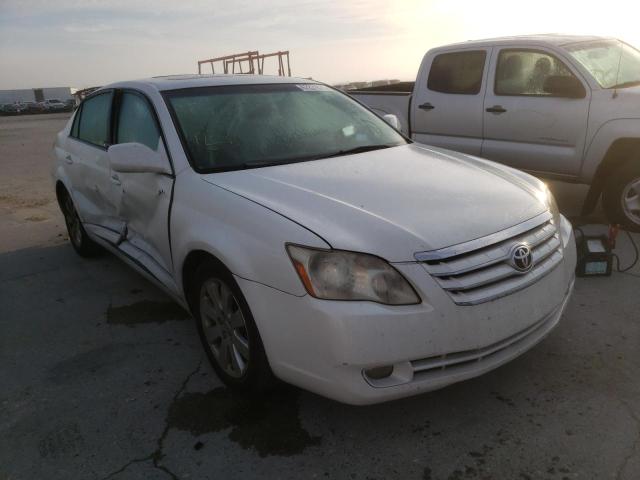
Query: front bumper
(325, 346)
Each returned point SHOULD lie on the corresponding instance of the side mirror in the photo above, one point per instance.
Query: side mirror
(563, 86)
(136, 158)
(392, 120)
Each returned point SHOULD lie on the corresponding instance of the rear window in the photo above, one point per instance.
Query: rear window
(94, 120)
(457, 73)
(76, 124)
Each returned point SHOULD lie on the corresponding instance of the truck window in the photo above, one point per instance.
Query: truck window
(457, 72)
(612, 63)
(523, 72)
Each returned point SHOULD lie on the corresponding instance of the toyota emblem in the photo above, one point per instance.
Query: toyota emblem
(521, 257)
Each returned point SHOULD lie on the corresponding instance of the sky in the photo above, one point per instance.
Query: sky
(81, 43)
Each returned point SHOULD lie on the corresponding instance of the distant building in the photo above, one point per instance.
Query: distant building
(35, 94)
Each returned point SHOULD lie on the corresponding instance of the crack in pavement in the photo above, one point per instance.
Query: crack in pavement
(127, 465)
(636, 443)
(157, 455)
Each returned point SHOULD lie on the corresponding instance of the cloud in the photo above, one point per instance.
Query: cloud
(86, 42)
(79, 28)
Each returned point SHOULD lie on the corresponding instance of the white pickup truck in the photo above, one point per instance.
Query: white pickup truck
(561, 107)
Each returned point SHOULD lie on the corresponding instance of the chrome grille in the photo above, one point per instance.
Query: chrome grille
(480, 271)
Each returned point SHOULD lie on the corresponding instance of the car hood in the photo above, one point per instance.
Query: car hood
(393, 202)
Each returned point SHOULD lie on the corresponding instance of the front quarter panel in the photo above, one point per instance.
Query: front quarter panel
(246, 237)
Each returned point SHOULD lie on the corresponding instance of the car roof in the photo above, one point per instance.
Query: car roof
(553, 39)
(174, 82)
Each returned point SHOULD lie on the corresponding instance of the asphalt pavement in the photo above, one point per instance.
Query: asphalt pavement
(102, 376)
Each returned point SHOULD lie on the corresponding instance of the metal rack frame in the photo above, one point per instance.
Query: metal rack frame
(248, 63)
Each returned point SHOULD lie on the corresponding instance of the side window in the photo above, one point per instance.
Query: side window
(457, 72)
(76, 123)
(94, 120)
(136, 122)
(524, 72)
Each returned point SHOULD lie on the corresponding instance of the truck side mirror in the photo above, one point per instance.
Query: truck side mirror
(563, 86)
(392, 120)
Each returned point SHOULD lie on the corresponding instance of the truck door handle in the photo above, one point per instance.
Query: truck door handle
(426, 106)
(496, 109)
(116, 179)
(68, 159)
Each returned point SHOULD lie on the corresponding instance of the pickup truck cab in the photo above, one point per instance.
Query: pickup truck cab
(561, 107)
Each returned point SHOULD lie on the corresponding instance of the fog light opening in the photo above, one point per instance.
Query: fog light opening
(378, 373)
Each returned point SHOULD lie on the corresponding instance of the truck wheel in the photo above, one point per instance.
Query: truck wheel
(228, 332)
(80, 241)
(621, 197)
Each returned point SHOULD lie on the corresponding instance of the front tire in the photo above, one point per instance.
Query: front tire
(80, 241)
(621, 197)
(228, 332)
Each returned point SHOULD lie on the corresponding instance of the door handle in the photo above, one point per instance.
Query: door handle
(115, 179)
(426, 106)
(496, 109)
(68, 159)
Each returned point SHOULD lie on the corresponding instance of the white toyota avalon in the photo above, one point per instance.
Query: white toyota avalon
(311, 241)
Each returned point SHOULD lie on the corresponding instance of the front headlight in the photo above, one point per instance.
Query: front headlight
(341, 275)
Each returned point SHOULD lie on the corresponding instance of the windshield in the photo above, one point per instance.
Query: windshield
(245, 126)
(613, 63)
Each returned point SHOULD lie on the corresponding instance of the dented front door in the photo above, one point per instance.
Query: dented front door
(143, 200)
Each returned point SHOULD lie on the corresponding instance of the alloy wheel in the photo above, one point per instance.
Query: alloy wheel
(73, 222)
(631, 200)
(224, 327)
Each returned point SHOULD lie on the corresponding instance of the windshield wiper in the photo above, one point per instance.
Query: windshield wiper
(634, 83)
(349, 151)
(273, 163)
(360, 149)
(265, 163)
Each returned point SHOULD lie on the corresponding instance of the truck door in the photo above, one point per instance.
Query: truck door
(447, 107)
(524, 125)
(142, 200)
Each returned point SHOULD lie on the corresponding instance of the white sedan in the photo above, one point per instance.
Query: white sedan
(310, 240)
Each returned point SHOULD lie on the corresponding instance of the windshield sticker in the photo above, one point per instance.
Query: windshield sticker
(312, 87)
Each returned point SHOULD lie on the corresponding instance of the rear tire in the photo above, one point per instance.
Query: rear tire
(228, 332)
(80, 241)
(621, 197)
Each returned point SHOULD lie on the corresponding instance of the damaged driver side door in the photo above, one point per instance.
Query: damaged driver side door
(143, 199)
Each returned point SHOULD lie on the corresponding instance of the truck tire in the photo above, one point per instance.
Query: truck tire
(621, 196)
(228, 332)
